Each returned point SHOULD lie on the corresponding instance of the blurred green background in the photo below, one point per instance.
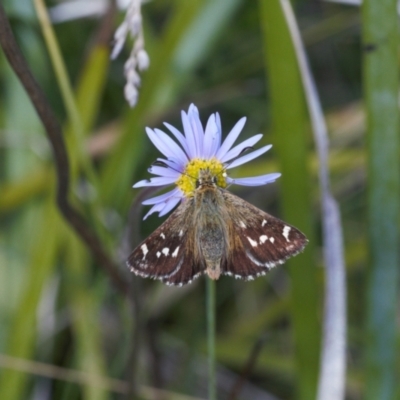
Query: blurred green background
(59, 309)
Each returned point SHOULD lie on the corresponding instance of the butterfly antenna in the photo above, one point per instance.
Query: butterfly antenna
(159, 163)
(245, 150)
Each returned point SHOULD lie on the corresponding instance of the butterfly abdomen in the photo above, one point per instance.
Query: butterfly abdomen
(211, 235)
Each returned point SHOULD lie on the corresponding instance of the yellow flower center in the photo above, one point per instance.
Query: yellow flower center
(187, 181)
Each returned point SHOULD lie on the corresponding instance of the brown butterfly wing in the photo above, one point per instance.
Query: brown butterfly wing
(167, 254)
(258, 241)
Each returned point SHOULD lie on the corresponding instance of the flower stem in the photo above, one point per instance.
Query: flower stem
(212, 392)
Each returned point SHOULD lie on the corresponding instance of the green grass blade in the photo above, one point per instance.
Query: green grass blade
(84, 309)
(22, 331)
(290, 118)
(91, 84)
(381, 86)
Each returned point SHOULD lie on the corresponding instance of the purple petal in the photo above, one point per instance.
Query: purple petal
(218, 122)
(173, 164)
(163, 197)
(255, 180)
(158, 181)
(162, 171)
(197, 129)
(231, 138)
(179, 136)
(171, 149)
(240, 147)
(249, 157)
(170, 204)
(158, 207)
(158, 143)
(190, 140)
(210, 137)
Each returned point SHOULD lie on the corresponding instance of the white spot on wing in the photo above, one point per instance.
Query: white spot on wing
(158, 254)
(263, 238)
(285, 233)
(271, 239)
(165, 251)
(242, 224)
(252, 242)
(178, 267)
(145, 250)
(268, 265)
(254, 260)
(162, 235)
(263, 222)
(175, 253)
(180, 233)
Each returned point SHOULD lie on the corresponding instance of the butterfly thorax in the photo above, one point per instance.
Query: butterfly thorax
(211, 234)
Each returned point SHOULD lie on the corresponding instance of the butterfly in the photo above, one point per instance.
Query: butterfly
(216, 233)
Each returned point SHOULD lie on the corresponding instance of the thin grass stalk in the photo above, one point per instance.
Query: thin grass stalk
(211, 323)
(331, 384)
(78, 377)
(58, 64)
(76, 139)
(381, 87)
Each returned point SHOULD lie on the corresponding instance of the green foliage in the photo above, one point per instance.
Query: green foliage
(290, 133)
(381, 97)
(58, 308)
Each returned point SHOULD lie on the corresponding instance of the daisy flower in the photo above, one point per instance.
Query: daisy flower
(198, 149)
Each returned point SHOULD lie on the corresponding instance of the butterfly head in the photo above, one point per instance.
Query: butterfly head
(206, 178)
(202, 173)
